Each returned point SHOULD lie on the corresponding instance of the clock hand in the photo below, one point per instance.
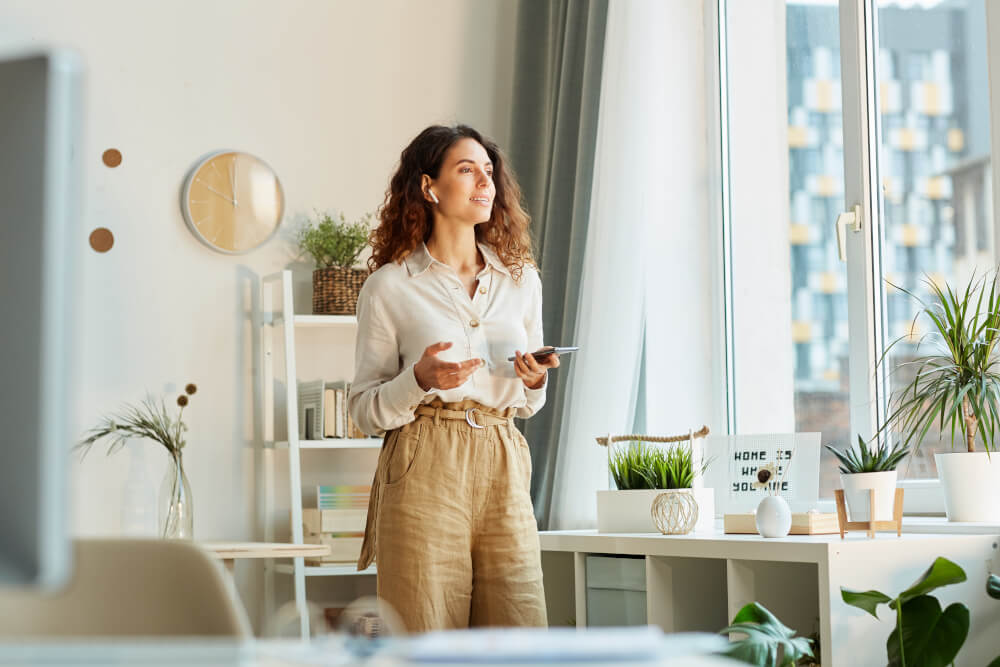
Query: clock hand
(232, 176)
(228, 199)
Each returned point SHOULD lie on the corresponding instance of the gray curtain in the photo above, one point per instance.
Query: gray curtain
(553, 139)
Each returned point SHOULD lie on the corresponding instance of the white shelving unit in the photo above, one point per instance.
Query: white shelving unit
(279, 322)
(697, 582)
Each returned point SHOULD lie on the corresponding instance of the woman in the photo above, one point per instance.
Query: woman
(452, 295)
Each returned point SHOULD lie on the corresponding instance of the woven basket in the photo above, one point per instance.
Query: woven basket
(335, 290)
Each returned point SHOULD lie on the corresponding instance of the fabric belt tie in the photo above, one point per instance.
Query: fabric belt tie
(474, 417)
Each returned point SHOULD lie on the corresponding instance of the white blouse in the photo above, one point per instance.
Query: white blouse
(405, 307)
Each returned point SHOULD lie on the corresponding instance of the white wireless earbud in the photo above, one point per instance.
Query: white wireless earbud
(433, 196)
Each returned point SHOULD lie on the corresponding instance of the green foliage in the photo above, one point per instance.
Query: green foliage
(765, 635)
(333, 242)
(959, 385)
(869, 459)
(924, 636)
(640, 466)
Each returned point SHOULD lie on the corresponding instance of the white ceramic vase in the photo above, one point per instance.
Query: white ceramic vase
(774, 517)
(856, 494)
(971, 485)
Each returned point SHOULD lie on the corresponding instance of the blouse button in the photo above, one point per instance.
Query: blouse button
(482, 290)
(474, 323)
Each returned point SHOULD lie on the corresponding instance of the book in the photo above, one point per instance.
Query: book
(339, 429)
(335, 409)
(344, 547)
(342, 497)
(334, 521)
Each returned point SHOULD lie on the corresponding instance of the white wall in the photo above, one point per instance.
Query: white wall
(326, 92)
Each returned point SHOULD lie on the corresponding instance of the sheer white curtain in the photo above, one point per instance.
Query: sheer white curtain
(629, 193)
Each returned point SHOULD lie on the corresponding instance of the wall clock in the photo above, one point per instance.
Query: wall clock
(232, 201)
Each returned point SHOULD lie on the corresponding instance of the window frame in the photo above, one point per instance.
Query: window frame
(868, 382)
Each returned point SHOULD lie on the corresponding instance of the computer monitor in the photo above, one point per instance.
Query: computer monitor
(40, 234)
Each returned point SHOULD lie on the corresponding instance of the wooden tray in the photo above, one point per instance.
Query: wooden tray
(803, 523)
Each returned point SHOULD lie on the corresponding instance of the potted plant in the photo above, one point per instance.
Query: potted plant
(643, 472)
(335, 245)
(957, 386)
(869, 468)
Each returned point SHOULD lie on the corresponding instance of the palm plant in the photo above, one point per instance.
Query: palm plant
(870, 459)
(959, 384)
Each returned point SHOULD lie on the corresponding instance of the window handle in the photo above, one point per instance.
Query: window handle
(847, 219)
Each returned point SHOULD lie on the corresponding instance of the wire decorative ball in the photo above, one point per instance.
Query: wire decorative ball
(675, 512)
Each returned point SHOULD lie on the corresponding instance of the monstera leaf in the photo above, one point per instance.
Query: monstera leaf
(925, 636)
(930, 637)
(765, 634)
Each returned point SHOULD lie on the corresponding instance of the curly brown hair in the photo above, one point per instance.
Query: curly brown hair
(406, 218)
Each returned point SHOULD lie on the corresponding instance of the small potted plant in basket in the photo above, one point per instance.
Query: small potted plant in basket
(334, 245)
(957, 385)
(869, 468)
(642, 474)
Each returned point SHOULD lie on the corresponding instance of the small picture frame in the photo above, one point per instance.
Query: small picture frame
(793, 459)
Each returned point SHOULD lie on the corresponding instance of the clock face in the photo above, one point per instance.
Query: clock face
(233, 202)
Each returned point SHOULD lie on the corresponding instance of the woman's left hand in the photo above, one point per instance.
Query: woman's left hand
(532, 371)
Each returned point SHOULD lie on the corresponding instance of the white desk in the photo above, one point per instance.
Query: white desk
(228, 552)
(698, 582)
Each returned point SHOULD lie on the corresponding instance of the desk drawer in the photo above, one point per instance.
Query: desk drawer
(617, 572)
(616, 591)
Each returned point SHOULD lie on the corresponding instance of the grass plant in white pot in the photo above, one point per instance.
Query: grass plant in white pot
(958, 387)
(644, 471)
(869, 468)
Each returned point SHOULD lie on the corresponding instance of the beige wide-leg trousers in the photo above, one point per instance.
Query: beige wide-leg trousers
(450, 522)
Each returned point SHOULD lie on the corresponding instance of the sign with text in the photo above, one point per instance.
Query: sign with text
(791, 459)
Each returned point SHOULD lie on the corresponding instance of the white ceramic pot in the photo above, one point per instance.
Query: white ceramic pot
(856, 494)
(971, 485)
(630, 511)
(774, 517)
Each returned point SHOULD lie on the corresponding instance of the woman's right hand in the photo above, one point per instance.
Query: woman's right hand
(432, 373)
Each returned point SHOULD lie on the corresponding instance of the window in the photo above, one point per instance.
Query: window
(934, 168)
(804, 143)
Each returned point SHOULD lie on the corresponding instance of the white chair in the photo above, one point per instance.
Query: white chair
(130, 588)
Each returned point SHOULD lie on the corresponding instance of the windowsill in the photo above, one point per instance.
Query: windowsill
(940, 524)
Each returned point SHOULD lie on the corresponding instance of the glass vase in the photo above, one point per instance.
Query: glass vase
(176, 502)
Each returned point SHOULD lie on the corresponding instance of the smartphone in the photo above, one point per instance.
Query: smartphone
(541, 354)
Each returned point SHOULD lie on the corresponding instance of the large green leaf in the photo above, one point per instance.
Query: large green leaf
(867, 600)
(930, 637)
(942, 572)
(764, 635)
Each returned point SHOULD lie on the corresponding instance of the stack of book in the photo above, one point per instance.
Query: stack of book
(323, 411)
(338, 521)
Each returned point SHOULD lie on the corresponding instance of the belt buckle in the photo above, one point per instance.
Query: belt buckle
(469, 420)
